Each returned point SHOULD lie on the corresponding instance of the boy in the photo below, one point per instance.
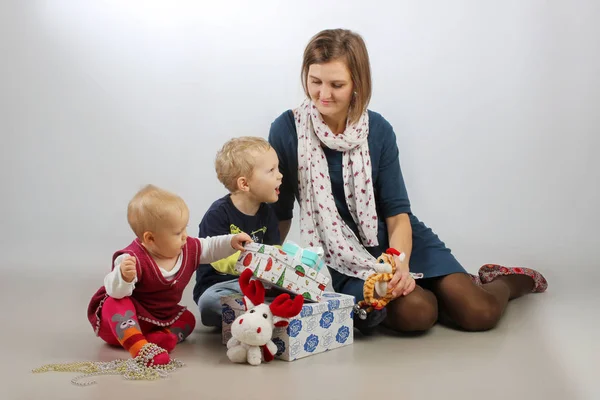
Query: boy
(249, 168)
(138, 306)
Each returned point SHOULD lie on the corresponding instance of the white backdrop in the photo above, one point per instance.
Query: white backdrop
(495, 104)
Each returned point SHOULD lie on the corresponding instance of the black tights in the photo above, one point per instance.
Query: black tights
(456, 297)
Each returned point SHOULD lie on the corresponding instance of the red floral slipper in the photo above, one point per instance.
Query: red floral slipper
(475, 279)
(489, 272)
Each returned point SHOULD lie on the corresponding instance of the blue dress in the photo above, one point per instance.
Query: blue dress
(429, 255)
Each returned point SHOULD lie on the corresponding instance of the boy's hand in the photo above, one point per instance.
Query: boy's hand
(238, 241)
(128, 269)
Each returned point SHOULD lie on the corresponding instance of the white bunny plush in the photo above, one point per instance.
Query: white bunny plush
(252, 331)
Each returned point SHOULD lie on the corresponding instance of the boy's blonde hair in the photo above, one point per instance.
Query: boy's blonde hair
(237, 158)
(151, 207)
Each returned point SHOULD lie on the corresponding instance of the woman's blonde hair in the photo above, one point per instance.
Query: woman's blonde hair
(345, 45)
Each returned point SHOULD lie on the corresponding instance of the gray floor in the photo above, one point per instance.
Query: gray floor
(544, 348)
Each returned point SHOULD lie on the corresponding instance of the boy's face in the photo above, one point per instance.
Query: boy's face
(266, 178)
(170, 238)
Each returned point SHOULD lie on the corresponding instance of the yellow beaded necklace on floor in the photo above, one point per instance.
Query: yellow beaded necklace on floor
(138, 368)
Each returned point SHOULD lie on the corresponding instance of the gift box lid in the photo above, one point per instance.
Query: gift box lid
(271, 251)
(281, 256)
(331, 301)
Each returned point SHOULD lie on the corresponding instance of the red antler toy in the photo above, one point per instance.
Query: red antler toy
(283, 307)
(253, 290)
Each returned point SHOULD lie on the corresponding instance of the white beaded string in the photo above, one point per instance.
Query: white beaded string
(138, 368)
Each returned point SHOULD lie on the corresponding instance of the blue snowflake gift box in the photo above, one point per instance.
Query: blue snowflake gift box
(319, 327)
(293, 272)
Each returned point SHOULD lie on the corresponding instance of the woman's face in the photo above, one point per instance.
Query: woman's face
(330, 88)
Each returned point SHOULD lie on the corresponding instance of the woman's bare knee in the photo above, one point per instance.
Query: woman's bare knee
(416, 312)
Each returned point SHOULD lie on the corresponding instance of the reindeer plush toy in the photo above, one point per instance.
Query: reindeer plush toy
(252, 331)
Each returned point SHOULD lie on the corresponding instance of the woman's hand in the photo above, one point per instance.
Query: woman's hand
(402, 282)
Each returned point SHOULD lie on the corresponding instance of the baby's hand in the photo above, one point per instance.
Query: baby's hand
(128, 269)
(238, 241)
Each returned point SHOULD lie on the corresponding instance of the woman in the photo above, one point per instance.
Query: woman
(340, 162)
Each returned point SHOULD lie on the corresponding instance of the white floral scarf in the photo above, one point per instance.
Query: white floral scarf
(320, 221)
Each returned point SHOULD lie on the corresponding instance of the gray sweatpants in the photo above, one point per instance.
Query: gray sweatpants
(209, 303)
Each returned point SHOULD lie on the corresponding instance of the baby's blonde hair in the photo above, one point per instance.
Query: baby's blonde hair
(151, 207)
(237, 158)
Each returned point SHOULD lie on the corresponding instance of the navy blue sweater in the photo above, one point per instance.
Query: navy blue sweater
(391, 197)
